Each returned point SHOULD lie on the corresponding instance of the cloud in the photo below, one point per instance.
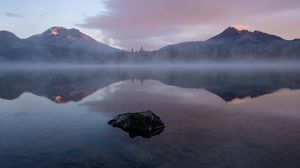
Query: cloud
(153, 23)
(14, 15)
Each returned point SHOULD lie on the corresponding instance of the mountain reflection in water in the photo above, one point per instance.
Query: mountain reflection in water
(58, 119)
(66, 86)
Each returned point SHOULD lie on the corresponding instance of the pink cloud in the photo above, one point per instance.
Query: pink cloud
(132, 23)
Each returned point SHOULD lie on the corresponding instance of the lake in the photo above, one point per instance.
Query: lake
(235, 118)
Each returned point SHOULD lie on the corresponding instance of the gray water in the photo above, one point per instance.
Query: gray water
(57, 118)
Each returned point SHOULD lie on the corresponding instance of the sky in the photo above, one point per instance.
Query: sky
(152, 24)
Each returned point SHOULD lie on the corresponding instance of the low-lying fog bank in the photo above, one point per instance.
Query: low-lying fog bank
(202, 65)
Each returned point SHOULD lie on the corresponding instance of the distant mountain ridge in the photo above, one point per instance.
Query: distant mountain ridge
(232, 34)
(237, 45)
(59, 44)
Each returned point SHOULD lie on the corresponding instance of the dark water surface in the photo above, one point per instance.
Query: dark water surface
(233, 118)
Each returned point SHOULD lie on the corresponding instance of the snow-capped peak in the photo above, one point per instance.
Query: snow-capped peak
(55, 31)
(241, 27)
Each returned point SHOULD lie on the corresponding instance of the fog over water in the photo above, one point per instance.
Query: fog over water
(175, 65)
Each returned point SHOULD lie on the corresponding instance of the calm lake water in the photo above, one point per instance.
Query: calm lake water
(233, 118)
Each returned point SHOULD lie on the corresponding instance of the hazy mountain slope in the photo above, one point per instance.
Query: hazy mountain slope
(8, 38)
(13, 48)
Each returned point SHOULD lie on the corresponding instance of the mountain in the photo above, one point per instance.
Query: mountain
(8, 38)
(12, 48)
(234, 44)
(70, 38)
(232, 34)
(59, 44)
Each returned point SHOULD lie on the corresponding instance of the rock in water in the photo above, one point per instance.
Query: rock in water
(145, 124)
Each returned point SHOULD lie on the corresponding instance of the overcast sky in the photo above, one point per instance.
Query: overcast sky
(150, 23)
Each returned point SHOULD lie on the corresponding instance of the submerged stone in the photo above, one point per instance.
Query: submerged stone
(145, 124)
